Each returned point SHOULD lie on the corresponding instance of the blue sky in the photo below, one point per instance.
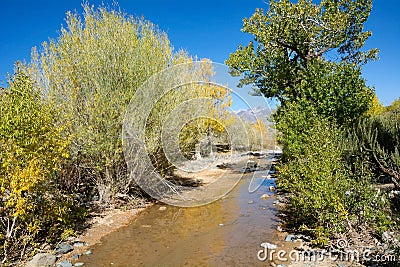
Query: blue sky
(208, 28)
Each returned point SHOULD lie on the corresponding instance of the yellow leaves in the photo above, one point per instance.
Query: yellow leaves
(20, 183)
(32, 148)
(376, 107)
(342, 212)
(68, 233)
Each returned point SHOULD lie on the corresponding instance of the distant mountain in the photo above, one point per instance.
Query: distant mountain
(251, 115)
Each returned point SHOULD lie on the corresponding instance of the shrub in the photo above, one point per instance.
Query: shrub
(32, 150)
(376, 140)
(89, 74)
(325, 194)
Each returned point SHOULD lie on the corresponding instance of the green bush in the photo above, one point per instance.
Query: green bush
(325, 194)
(376, 142)
(33, 209)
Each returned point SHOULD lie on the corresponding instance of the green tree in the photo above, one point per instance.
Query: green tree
(309, 56)
(311, 51)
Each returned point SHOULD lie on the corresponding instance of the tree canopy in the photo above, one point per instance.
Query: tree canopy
(308, 51)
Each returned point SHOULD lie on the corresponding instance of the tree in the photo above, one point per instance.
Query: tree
(89, 74)
(376, 107)
(394, 107)
(310, 51)
(32, 148)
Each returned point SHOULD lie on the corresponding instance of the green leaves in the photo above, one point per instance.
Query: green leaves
(310, 51)
(326, 194)
(309, 57)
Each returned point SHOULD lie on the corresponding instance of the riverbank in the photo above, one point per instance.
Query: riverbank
(232, 227)
(227, 232)
(292, 249)
(356, 247)
(106, 221)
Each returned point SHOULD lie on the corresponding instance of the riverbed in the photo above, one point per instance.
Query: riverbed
(227, 232)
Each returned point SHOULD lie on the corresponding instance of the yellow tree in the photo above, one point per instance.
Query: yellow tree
(89, 74)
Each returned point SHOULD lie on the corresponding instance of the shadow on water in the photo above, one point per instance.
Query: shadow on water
(227, 232)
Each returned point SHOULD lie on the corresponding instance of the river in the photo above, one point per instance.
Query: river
(227, 232)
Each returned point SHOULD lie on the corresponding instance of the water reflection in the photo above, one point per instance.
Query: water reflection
(227, 232)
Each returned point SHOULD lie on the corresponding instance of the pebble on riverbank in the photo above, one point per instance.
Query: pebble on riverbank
(265, 196)
(42, 259)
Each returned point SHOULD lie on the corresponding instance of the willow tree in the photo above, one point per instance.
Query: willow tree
(89, 74)
(309, 51)
(198, 108)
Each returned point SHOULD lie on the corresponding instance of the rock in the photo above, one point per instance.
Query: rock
(272, 188)
(162, 208)
(305, 238)
(269, 245)
(221, 224)
(79, 244)
(222, 166)
(42, 260)
(64, 248)
(265, 196)
(281, 265)
(386, 236)
(79, 264)
(340, 265)
(64, 263)
(251, 164)
(76, 256)
(88, 252)
(278, 228)
(291, 238)
(70, 239)
(251, 202)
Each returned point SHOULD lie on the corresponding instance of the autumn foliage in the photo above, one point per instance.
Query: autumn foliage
(32, 151)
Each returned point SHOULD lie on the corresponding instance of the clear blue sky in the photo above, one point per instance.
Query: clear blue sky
(207, 28)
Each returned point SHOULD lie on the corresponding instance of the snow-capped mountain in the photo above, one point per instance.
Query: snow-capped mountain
(251, 115)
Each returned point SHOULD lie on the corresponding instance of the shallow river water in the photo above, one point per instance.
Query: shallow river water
(227, 232)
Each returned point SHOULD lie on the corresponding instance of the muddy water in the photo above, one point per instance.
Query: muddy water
(227, 232)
